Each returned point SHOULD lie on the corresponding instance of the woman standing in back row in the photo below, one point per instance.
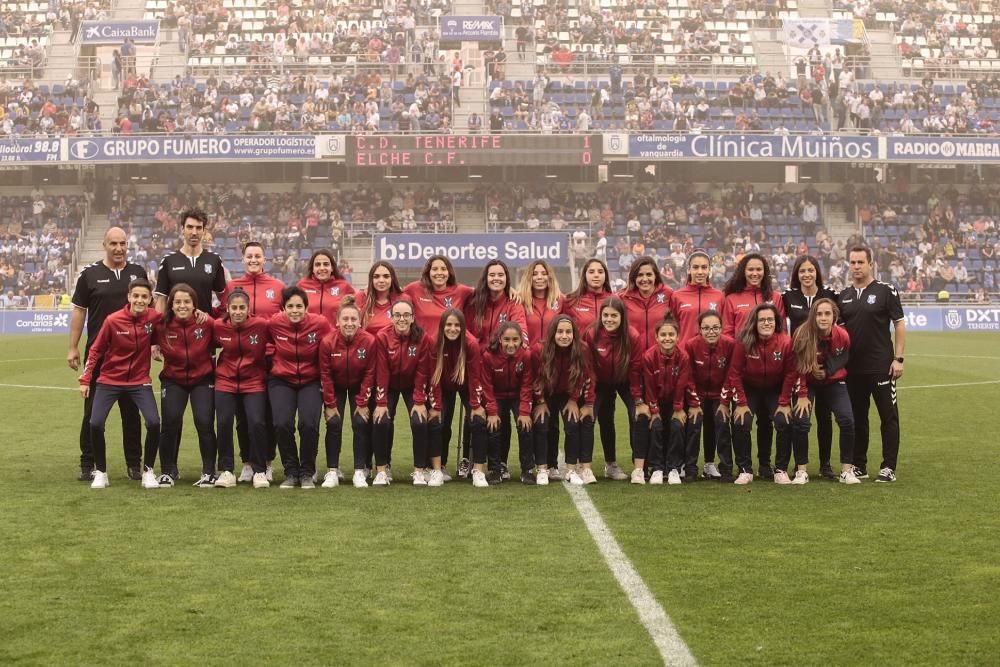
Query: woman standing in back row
(325, 285)
(689, 302)
(647, 300)
(437, 290)
(584, 302)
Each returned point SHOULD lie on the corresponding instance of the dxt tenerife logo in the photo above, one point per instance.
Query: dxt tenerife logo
(84, 150)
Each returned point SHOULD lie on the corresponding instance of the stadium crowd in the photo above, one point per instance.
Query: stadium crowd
(37, 240)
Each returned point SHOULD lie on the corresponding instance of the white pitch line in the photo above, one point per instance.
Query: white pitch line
(668, 641)
(941, 386)
(36, 386)
(953, 356)
(12, 361)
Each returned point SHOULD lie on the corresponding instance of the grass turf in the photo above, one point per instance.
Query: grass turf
(764, 575)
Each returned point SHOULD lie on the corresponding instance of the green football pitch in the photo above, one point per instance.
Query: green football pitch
(823, 574)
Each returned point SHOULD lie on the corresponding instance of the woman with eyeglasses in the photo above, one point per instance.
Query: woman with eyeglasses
(710, 355)
(402, 365)
(761, 378)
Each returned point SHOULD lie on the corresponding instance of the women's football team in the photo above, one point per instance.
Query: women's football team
(694, 369)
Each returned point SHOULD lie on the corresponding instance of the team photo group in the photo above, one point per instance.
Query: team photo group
(703, 374)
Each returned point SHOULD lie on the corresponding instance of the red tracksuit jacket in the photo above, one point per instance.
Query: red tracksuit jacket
(296, 347)
(539, 317)
(582, 393)
(835, 346)
(666, 379)
(188, 350)
(689, 302)
(402, 365)
(709, 366)
(380, 318)
(771, 364)
(644, 313)
(324, 297)
(428, 306)
(496, 312)
(737, 307)
(585, 310)
(508, 376)
(347, 364)
(603, 359)
(264, 292)
(473, 372)
(123, 348)
(240, 368)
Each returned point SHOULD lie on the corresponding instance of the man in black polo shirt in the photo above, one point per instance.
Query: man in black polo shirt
(102, 289)
(199, 268)
(867, 308)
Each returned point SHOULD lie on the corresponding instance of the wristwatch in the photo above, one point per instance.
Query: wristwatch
(899, 359)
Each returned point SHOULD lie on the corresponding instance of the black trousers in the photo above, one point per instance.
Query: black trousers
(604, 409)
(861, 389)
(173, 402)
(131, 431)
(288, 401)
(836, 400)
(662, 445)
(106, 395)
(762, 403)
(529, 450)
(579, 434)
(254, 408)
(440, 430)
(243, 434)
(824, 428)
(382, 433)
(361, 429)
(718, 437)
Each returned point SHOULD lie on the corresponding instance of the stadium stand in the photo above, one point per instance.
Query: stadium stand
(38, 236)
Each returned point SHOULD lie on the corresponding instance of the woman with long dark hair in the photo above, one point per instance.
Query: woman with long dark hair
(493, 303)
(456, 372)
(748, 287)
(293, 385)
(805, 289)
(437, 290)
(615, 356)
(376, 299)
(508, 378)
(188, 373)
(325, 285)
(347, 375)
(240, 386)
(564, 385)
(710, 355)
(761, 377)
(594, 287)
(647, 299)
(822, 349)
(403, 355)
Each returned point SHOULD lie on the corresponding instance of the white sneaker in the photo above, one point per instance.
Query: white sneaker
(360, 479)
(246, 475)
(781, 477)
(801, 477)
(542, 477)
(587, 475)
(613, 471)
(744, 478)
(673, 478)
(435, 478)
(573, 477)
(226, 480)
(639, 476)
(656, 478)
(711, 471)
(381, 479)
(331, 479)
(149, 479)
(418, 477)
(260, 480)
(479, 479)
(269, 473)
(101, 480)
(848, 477)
